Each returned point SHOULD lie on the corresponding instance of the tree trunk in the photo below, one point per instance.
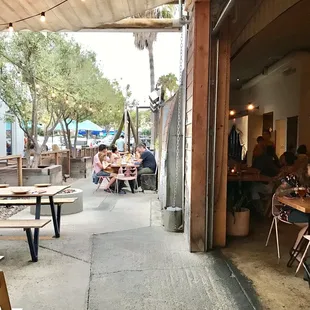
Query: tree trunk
(74, 151)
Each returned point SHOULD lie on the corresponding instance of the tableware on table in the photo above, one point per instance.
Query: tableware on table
(4, 185)
(43, 185)
(302, 192)
(17, 190)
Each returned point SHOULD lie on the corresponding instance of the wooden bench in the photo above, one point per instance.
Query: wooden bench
(27, 225)
(32, 202)
(4, 296)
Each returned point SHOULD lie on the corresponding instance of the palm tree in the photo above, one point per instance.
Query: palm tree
(146, 40)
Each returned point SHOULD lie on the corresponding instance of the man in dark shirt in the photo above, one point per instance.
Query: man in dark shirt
(147, 160)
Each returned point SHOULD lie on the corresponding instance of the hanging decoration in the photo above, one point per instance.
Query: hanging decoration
(235, 114)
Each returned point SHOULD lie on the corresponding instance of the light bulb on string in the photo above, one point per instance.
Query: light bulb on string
(11, 29)
(42, 17)
(53, 95)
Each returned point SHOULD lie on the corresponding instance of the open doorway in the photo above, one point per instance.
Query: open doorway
(292, 134)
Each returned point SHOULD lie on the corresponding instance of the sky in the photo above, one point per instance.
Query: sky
(119, 59)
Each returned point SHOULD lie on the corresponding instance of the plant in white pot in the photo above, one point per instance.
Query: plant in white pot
(238, 218)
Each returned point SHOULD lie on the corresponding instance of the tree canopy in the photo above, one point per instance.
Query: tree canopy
(169, 84)
(48, 78)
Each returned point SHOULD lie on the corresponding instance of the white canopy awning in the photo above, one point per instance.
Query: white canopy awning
(72, 15)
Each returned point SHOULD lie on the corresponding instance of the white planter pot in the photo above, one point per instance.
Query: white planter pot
(67, 208)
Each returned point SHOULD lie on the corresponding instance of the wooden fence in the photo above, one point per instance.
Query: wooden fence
(13, 162)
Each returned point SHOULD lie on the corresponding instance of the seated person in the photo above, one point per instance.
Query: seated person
(266, 163)
(287, 160)
(106, 168)
(147, 160)
(297, 179)
(302, 158)
(259, 148)
(115, 154)
(267, 166)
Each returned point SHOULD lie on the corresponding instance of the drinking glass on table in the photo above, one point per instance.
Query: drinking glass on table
(302, 191)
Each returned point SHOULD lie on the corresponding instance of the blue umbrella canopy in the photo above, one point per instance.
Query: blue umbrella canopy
(89, 126)
(72, 126)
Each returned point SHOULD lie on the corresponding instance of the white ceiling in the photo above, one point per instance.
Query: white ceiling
(72, 15)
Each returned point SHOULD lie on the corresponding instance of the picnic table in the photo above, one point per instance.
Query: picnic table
(302, 205)
(37, 193)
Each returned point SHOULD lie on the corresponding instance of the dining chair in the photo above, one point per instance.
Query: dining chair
(149, 181)
(302, 259)
(275, 205)
(101, 179)
(127, 174)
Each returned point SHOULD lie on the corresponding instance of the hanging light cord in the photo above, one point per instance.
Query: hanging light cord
(35, 15)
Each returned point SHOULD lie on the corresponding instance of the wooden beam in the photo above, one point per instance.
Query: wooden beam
(20, 171)
(201, 46)
(221, 148)
(143, 23)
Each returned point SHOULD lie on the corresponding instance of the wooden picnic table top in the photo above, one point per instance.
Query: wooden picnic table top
(245, 177)
(33, 191)
(296, 203)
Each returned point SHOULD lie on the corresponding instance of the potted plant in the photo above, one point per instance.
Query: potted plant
(238, 217)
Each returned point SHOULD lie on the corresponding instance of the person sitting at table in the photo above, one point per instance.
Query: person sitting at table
(287, 161)
(147, 160)
(258, 149)
(266, 165)
(302, 157)
(294, 180)
(106, 168)
(115, 154)
(97, 165)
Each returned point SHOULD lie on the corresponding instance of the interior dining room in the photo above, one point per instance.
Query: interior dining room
(269, 95)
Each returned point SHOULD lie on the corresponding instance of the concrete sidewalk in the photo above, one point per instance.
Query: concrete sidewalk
(114, 255)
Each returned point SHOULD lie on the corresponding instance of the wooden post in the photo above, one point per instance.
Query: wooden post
(20, 170)
(221, 149)
(4, 296)
(198, 77)
(69, 162)
(56, 158)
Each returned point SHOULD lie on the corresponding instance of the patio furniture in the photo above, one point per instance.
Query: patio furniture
(127, 173)
(302, 259)
(32, 202)
(149, 181)
(101, 179)
(27, 225)
(4, 296)
(37, 193)
(275, 219)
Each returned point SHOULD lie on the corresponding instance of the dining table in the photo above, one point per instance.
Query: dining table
(248, 177)
(302, 205)
(38, 193)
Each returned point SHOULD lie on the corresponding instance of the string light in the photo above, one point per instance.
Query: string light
(42, 18)
(232, 112)
(53, 95)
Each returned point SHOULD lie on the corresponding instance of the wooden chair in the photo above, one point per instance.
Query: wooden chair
(4, 296)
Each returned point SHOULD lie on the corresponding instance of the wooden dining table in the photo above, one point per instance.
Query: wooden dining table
(248, 177)
(38, 193)
(302, 205)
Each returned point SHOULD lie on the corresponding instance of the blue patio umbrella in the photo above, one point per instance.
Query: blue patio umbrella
(72, 126)
(89, 126)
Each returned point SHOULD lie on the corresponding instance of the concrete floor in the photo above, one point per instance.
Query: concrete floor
(115, 255)
(276, 284)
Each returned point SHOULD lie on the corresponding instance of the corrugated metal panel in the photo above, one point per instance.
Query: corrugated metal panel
(72, 15)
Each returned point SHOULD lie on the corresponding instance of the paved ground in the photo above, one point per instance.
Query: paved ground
(115, 255)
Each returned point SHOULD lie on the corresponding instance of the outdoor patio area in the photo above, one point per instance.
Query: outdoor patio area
(116, 255)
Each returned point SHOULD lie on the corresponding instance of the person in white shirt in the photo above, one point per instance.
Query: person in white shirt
(120, 143)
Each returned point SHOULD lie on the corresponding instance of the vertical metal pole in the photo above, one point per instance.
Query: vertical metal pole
(125, 125)
(137, 124)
